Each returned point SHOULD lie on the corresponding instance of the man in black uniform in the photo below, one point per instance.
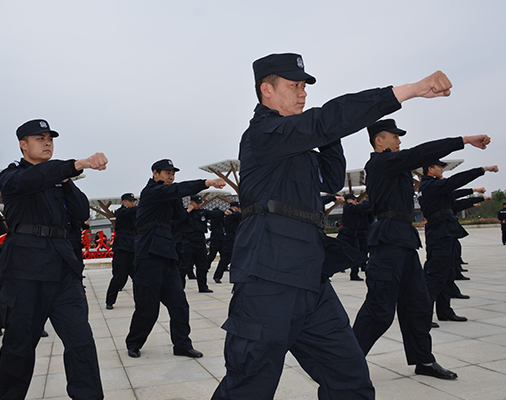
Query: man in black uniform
(501, 215)
(437, 198)
(123, 247)
(282, 298)
(216, 240)
(157, 277)
(366, 218)
(41, 275)
(459, 205)
(194, 228)
(394, 274)
(231, 222)
(348, 231)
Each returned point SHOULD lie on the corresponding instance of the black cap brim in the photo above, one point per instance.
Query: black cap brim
(298, 76)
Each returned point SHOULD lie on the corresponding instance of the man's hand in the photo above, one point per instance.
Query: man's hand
(479, 190)
(487, 198)
(96, 161)
(480, 141)
(493, 168)
(435, 85)
(217, 183)
(340, 200)
(190, 208)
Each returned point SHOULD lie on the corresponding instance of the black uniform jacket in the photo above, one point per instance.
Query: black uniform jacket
(437, 195)
(351, 217)
(278, 163)
(159, 204)
(464, 204)
(195, 221)
(231, 223)
(35, 195)
(389, 184)
(125, 229)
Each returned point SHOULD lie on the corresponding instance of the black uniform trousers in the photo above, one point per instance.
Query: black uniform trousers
(215, 246)
(362, 246)
(26, 307)
(195, 253)
(148, 294)
(267, 319)
(225, 258)
(440, 275)
(503, 230)
(122, 268)
(394, 277)
(350, 238)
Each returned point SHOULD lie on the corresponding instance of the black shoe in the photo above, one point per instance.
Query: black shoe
(109, 306)
(464, 270)
(356, 278)
(206, 291)
(464, 263)
(434, 325)
(1, 332)
(460, 296)
(192, 276)
(44, 334)
(455, 318)
(462, 278)
(189, 353)
(134, 353)
(217, 280)
(435, 370)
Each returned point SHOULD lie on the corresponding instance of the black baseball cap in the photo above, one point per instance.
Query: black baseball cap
(350, 196)
(287, 65)
(235, 204)
(128, 196)
(164, 164)
(436, 162)
(385, 125)
(196, 198)
(35, 127)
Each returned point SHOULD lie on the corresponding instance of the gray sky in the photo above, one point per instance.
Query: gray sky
(144, 80)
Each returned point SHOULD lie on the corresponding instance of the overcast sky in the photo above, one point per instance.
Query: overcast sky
(152, 79)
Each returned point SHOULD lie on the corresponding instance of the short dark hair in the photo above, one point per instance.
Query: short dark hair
(426, 169)
(372, 139)
(272, 79)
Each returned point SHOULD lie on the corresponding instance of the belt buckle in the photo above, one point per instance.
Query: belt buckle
(43, 230)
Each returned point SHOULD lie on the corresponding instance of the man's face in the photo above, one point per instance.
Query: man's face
(129, 203)
(352, 201)
(167, 176)
(436, 171)
(391, 141)
(37, 148)
(287, 97)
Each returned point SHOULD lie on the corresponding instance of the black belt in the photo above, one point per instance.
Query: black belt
(42, 231)
(151, 225)
(437, 214)
(392, 214)
(317, 218)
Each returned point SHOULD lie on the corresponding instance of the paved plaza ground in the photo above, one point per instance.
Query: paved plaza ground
(475, 349)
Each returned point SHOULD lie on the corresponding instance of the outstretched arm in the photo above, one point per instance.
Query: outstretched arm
(96, 161)
(435, 85)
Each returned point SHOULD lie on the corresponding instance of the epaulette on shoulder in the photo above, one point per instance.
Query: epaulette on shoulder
(13, 164)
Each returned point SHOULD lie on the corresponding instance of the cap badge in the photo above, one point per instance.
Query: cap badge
(300, 63)
(43, 124)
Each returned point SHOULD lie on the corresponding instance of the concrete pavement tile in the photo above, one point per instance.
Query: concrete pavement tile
(197, 390)
(474, 382)
(406, 388)
(37, 387)
(168, 372)
(472, 351)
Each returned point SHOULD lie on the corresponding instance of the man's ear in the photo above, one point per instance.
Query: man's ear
(266, 89)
